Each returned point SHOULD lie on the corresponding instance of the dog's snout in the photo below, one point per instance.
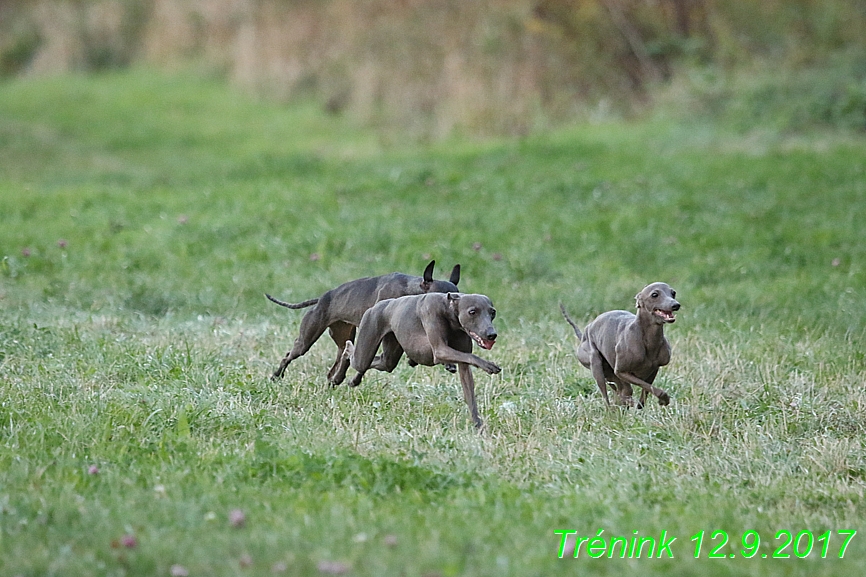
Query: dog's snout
(676, 306)
(491, 335)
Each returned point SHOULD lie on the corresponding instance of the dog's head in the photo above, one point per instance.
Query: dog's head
(659, 300)
(475, 314)
(429, 285)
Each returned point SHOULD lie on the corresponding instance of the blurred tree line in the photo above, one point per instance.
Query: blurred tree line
(433, 67)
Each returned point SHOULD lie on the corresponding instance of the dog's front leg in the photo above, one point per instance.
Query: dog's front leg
(443, 354)
(643, 394)
(663, 397)
(468, 383)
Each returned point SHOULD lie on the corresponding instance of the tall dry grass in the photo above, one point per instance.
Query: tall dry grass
(429, 67)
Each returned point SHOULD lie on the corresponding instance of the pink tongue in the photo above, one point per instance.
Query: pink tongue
(488, 344)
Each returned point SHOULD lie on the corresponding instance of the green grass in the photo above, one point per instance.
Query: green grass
(141, 343)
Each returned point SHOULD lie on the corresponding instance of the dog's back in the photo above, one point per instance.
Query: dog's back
(604, 331)
(352, 299)
(397, 284)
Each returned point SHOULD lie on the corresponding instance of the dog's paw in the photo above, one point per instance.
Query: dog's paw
(492, 368)
(664, 399)
(451, 368)
(349, 351)
(626, 401)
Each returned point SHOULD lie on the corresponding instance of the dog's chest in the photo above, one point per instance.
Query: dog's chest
(460, 341)
(647, 366)
(657, 353)
(640, 357)
(421, 351)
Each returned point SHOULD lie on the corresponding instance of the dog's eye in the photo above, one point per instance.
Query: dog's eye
(655, 294)
(492, 314)
(472, 311)
(674, 294)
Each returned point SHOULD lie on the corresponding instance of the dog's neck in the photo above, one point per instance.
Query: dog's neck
(652, 332)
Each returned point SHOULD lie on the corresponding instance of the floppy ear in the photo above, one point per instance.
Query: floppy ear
(453, 304)
(455, 274)
(637, 300)
(428, 272)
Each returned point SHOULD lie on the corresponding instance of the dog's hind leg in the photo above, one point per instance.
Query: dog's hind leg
(362, 355)
(362, 352)
(624, 392)
(392, 352)
(596, 365)
(312, 327)
(340, 333)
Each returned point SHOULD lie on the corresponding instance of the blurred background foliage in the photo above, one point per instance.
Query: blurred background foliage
(433, 68)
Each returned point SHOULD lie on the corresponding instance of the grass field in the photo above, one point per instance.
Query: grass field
(143, 216)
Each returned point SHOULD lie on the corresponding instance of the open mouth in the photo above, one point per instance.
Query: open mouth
(666, 316)
(483, 343)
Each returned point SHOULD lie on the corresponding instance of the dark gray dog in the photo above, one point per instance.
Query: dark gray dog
(626, 349)
(431, 329)
(340, 310)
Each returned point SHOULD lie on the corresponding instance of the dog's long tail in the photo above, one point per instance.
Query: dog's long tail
(571, 322)
(302, 305)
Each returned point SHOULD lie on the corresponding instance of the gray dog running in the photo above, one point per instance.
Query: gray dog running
(626, 349)
(340, 310)
(431, 329)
